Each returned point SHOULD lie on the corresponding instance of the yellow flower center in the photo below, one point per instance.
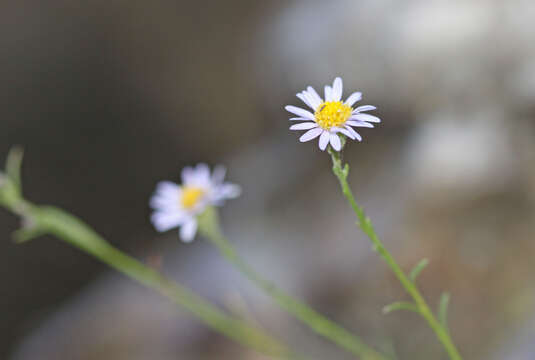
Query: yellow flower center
(332, 113)
(191, 196)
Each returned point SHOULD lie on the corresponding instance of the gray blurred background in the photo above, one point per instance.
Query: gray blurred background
(108, 98)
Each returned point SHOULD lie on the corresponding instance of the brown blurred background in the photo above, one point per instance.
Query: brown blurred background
(108, 98)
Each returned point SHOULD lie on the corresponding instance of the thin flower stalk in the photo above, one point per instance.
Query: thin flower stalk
(40, 220)
(209, 227)
(366, 226)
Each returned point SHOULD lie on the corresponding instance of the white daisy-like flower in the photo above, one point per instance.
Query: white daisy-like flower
(331, 116)
(179, 205)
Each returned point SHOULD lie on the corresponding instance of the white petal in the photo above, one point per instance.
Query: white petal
(218, 175)
(365, 117)
(230, 191)
(167, 188)
(198, 176)
(324, 139)
(300, 112)
(298, 118)
(316, 99)
(188, 174)
(314, 104)
(164, 202)
(166, 220)
(335, 142)
(304, 126)
(304, 98)
(188, 230)
(347, 133)
(358, 123)
(328, 93)
(353, 98)
(311, 134)
(203, 171)
(355, 134)
(166, 195)
(364, 108)
(337, 89)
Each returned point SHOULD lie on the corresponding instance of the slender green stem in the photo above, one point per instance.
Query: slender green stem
(367, 227)
(209, 227)
(50, 220)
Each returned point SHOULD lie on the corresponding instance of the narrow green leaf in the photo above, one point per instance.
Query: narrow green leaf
(400, 305)
(443, 309)
(13, 165)
(417, 269)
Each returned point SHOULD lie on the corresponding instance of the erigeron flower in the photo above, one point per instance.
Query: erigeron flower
(331, 116)
(179, 205)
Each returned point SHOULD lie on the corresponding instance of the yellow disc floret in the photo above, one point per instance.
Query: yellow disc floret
(191, 196)
(332, 113)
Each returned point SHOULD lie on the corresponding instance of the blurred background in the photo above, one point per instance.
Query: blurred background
(107, 98)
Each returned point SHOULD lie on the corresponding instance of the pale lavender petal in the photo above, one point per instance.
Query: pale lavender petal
(316, 99)
(355, 134)
(298, 118)
(365, 117)
(166, 195)
(304, 98)
(353, 98)
(300, 112)
(166, 220)
(188, 175)
(324, 139)
(200, 176)
(188, 230)
(314, 104)
(364, 108)
(167, 187)
(337, 89)
(328, 93)
(230, 191)
(304, 126)
(311, 134)
(159, 201)
(218, 175)
(335, 142)
(347, 133)
(358, 123)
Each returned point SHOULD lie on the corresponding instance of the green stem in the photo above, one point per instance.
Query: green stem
(209, 227)
(73, 231)
(367, 227)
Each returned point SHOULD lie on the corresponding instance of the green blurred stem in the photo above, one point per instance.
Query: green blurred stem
(49, 220)
(367, 227)
(210, 228)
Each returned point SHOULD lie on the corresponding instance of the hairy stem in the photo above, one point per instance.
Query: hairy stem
(367, 227)
(210, 228)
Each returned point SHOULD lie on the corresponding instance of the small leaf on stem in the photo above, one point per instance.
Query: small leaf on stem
(13, 165)
(417, 269)
(400, 305)
(443, 309)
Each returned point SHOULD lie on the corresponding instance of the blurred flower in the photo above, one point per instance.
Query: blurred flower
(332, 116)
(179, 205)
